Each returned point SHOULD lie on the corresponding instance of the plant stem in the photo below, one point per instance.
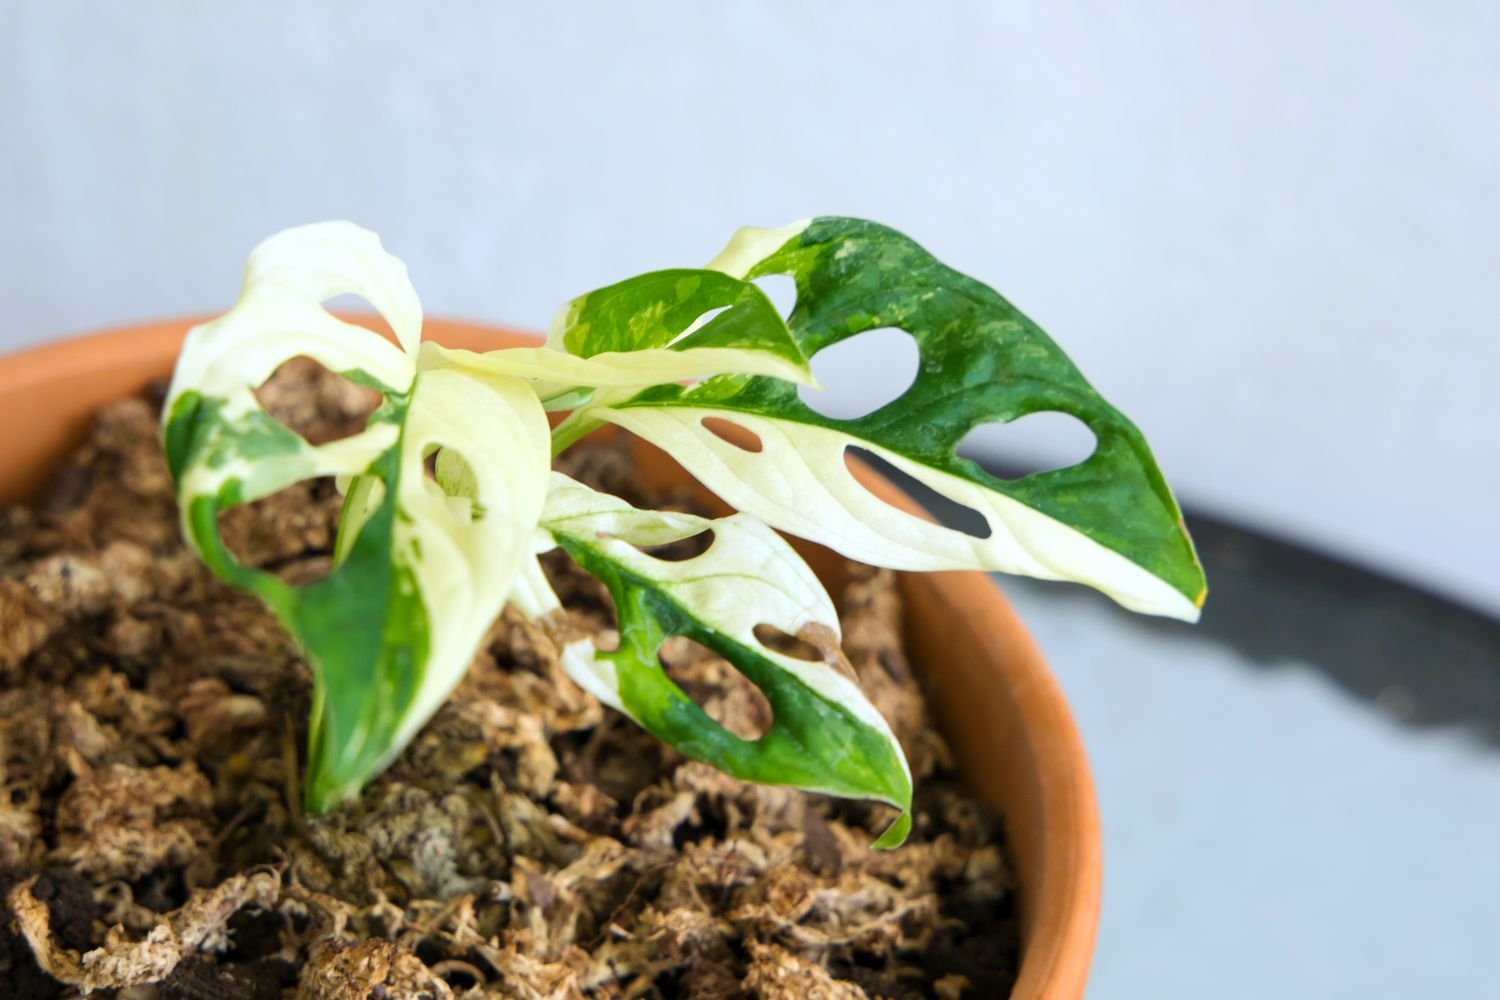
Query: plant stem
(575, 426)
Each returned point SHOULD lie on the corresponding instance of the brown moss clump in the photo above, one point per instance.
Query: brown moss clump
(529, 843)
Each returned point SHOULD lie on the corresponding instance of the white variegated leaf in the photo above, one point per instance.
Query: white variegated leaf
(825, 734)
(555, 372)
(799, 481)
(418, 573)
(1109, 521)
(469, 544)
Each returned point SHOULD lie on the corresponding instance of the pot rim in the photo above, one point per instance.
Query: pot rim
(1055, 848)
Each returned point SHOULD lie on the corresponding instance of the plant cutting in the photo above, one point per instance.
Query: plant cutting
(424, 543)
(423, 562)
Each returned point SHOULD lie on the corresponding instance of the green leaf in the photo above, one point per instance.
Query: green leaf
(825, 735)
(419, 574)
(672, 309)
(1109, 521)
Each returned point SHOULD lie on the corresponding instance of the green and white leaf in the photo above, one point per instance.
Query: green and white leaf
(825, 735)
(419, 574)
(675, 309)
(1109, 521)
(666, 326)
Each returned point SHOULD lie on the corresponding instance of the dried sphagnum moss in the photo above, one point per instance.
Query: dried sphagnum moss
(528, 844)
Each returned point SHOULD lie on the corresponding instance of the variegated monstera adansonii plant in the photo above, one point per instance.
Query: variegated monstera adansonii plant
(423, 563)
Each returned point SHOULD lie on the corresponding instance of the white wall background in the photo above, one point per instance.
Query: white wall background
(1268, 231)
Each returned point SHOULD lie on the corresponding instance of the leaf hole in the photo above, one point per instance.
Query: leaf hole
(698, 323)
(741, 437)
(349, 303)
(862, 373)
(318, 405)
(951, 513)
(681, 550)
(1029, 444)
(453, 474)
(781, 289)
(787, 644)
(289, 533)
(712, 682)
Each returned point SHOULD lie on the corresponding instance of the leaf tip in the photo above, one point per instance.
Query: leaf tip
(895, 835)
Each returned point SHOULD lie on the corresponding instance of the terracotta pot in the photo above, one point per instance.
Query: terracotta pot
(995, 699)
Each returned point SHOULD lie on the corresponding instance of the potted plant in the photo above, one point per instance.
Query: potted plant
(446, 500)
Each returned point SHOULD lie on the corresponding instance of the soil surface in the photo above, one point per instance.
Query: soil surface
(529, 843)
